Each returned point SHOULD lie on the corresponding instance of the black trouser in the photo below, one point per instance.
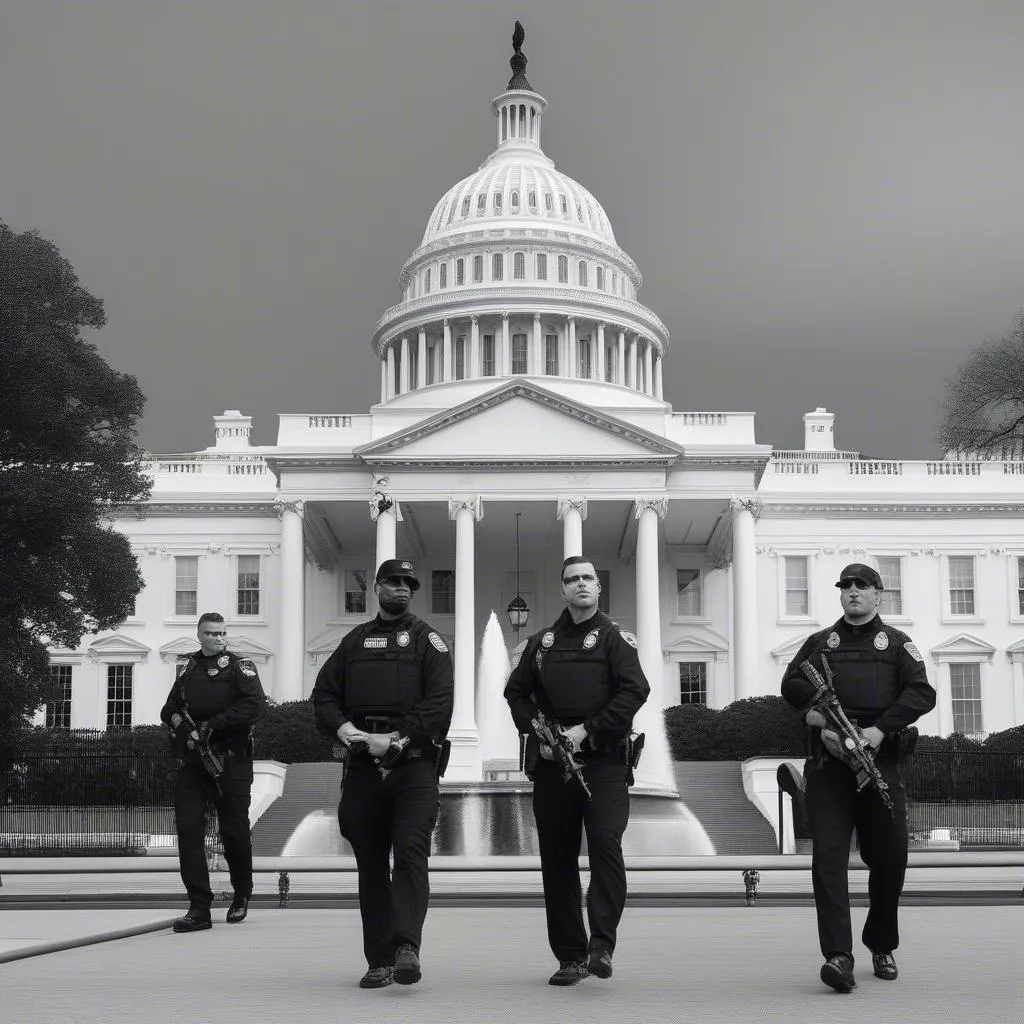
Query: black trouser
(562, 811)
(835, 809)
(378, 816)
(192, 789)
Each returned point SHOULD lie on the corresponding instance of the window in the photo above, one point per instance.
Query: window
(583, 358)
(542, 266)
(497, 267)
(961, 585)
(426, 282)
(600, 278)
(451, 213)
(582, 274)
(965, 691)
(58, 708)
(519, 353)
(488, 355)
(548, 202)
(465, 207)
(693, 682)
(614, 280)
(460, 271)
(519, 266)
(442, 592)
(797, 596)
(514, 200)
(355, 592)
(248, 584)
(563, 269)
(689, 593)
(1020, 584)
(533, 200)
(551, 355)
(119, 696)
(604, 599)
(481, 203)
(565, 205)
(460, 357)
(442, 276)
(478, 269)
(890, 568)
(579, 210)
(497, 202)
(186, 584)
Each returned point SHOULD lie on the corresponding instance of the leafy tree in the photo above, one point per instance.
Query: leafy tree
(68, 459)
(983, 409)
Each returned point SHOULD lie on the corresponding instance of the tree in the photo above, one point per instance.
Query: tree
(983, 409)
(68, 460)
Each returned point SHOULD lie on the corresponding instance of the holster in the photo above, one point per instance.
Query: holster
(442, 753)
(634, 749)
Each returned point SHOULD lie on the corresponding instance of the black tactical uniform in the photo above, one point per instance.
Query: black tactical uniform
(585, 673)
(880, 680)
(387, 676)
(224, 691)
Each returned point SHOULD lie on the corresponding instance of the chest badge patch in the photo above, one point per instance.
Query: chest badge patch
(223, 661)
(547, 639)
(912, 650)
(881, 641)
(630, 638)
(590, 640)
(833, 640)
(375, 642)
(403, 638)
(213, 671)
(437, 643)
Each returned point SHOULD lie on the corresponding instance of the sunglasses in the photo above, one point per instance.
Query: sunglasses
(855, 582)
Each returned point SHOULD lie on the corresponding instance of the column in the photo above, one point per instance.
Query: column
(383, 379)
(289, 669)
(465, 762)
(658, 385)
(572, 512)
(449, 361)
(421, 359)
(656, 767)
(648, 367)
(537, 358)
(391, 369)
(474, 348)
(403, 383)
(505, 361)
(633, 364)
(620, 360)
(745, 512)
(570, 363)
(383, 512)
(599, 373)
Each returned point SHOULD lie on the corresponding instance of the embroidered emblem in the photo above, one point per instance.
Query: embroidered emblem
(407, 566)
(248, 668)
(213, 671)
(881, 641)
(438, 643)
(833, 640)
(223, 661)
(630, 638)
(912, 650)
(403, 638)
(539, 658)
(547, 639)
(375, 642)
(590, 640)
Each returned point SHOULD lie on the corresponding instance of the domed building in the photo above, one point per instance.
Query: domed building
(521, 419)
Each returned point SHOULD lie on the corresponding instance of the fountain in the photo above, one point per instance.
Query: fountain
(494, 816)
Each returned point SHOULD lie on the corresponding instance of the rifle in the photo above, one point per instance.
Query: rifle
(553, 738)
(857, 753)
(212, 762)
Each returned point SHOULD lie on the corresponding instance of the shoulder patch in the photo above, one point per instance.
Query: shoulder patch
(630, 638)
(437, 643)
(911, 649)
(247, 668)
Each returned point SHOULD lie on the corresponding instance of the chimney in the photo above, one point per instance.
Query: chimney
(231, 431)
(818, 435)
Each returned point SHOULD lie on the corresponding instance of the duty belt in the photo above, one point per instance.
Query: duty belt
(376, 723)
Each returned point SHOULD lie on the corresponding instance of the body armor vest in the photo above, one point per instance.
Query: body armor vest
(866, 678)
(576, 679)
(383, 678)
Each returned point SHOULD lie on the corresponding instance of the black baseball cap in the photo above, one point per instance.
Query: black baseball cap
(860, 571)
(398, 567)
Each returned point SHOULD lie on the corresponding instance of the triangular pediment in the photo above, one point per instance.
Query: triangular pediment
(1015, 652)
(692, 643)
(243, 646)
(962, 647)
(118, 646)
(785, 652)
(519, 423)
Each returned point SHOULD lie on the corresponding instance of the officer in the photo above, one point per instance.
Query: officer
(386, 694)
(584, 673)
(223, 696)
(880, 680)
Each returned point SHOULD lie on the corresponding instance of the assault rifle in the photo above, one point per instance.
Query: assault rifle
(212, 762)
(552, 737)
(857, 754)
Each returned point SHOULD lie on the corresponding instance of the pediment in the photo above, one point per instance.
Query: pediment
(519, 423)
(692, 643)
(785, 652)
(1015, 652)
(243, 646)
(962, 647)
(118, 646)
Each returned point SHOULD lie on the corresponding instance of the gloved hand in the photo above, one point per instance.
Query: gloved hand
(574, 736)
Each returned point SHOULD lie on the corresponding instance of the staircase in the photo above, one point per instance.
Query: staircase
(713, 790)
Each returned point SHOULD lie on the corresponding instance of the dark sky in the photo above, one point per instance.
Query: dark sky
(824, 197)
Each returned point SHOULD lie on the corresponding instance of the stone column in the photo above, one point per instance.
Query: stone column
(383, 512)
(537, 357)
(449, 360)
(474, 348)
(634, 364)
(505, 361)
(289, 670)
(384, 379)
(620, 360)
(600, 370)
(391, 370)
(572, 512)
(465, 764)
(656, 767)
(658, 384)
(745, 512)
(421, 359)
(403, 383)
(570, 366)
(648, 367)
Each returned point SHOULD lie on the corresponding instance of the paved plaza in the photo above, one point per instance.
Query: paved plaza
(489, 963)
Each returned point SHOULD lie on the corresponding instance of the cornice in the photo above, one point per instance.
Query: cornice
(212, 507)
(910, 510)
(633, 462)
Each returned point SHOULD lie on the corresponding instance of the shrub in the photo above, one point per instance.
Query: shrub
(690, 729)
(755, 727)
(287, 733)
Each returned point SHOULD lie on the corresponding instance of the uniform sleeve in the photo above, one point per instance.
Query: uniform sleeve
(917, 697)
(248, 704)
(797, 689)
(522, 681)
(631, 690)
(328, 694)
(431, 715)
(170, 705)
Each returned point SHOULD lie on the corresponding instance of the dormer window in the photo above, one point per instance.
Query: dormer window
(565, 205)
(515, 200)
(533, 200)
(497, 202)
(481, 203)
(549, 202)
(451, 213)
(465, 207)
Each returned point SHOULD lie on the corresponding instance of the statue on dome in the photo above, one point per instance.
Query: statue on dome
(518, 36)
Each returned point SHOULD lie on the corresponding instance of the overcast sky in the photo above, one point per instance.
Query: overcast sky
(824, 197)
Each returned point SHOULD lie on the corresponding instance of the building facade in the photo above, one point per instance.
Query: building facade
(522, 419)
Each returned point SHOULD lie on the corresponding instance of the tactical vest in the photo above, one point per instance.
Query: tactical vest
(866, 679)
(576, 679)
(382, 676)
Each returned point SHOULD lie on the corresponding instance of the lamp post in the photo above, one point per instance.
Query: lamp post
(518, 609)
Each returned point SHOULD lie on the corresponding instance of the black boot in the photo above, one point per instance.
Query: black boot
(196, 920)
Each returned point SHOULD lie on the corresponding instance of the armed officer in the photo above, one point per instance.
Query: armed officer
(386, 694)
(584, 673)
(881, 683)
(222, 695)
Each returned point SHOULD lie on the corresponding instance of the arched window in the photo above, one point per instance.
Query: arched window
(519, 266)
(465, 207)
(614, 281)
(497, 267)
(478, 269)
(542, 266)
(548, 202)
(460, 271)
(522, 119)
(451, 213)
(600, 279)
(563, 269)
(533, 200)
(497, 201)
(514, 200)
(426, 282)
(442, 276)
(565, 205)
(481, 203)
(583, 274)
